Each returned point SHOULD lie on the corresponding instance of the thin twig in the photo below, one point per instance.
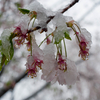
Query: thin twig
(70, 5)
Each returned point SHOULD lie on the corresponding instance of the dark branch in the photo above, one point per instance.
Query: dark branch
(70, 5)
(5, 89)
(38, 91)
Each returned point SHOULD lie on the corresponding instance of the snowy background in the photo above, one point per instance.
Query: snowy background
(87, 14)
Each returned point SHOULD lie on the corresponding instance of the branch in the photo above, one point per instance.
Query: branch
(5, 89)
(38, 91)
(51, 17)
(70, 5)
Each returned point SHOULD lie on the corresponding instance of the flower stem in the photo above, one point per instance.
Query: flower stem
(33, 22)
(77, 26)
(60, 48)
(76, 34)
(31, 44)
(65, 48)
(44, 39)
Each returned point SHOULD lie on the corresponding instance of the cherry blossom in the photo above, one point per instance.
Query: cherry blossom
(21, 30)
(83, 37)
(32, 63)
(67, 73)
(31, 67)
(62, 70)
(50, 64)
(84, 44)
(35, 60)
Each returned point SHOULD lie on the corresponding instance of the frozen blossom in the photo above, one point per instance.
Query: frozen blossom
(62, 70)
(35, 60)
(83, 38)
(23, 25)
(67, 74)
(21, 30)
(30, 68)
(50, 64)
(84, 43)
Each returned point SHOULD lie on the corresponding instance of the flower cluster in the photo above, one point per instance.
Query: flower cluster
(52, 60)
(61, 69)
(83, 37)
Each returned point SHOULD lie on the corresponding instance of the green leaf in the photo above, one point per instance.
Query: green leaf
(58, 35)
(57, 41)
(0, 42)
(7, 45)
(11, 48)
(3, 59)
(24, 11)
(67, 36)
(0, 45)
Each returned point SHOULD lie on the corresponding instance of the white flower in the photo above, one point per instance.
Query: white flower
(50, 63)
(69, 76)
(62, 70)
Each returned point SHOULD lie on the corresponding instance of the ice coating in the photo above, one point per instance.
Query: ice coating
(48, 68)
(6, 45)
(60, 26)
(41, 13)
(68, 77)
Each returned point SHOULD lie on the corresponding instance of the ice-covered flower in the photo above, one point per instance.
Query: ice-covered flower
(21, 30)
(61, 63)
(59, 23)
(66, 72)
(61, 69)
(31, 67)
(22, 25)
(32, 64)
(83, 38)
(84, 43)
(34, 61)
(50, 63)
